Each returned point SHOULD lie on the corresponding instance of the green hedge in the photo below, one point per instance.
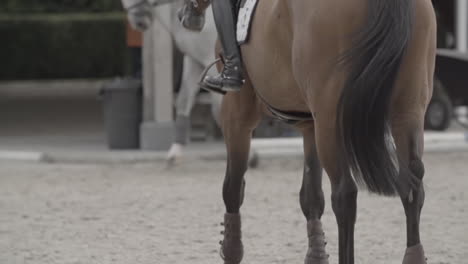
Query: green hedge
(48, 6)
(62, 46)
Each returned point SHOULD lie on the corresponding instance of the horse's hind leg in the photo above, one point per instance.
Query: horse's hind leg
(311, 198)
(408, 135)
(344, 189)
(240, 114)
(344, 204)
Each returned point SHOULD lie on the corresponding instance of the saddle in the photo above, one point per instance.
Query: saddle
(245, 13)
(246, 10)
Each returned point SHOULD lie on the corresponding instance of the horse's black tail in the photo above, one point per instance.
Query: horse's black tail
(363, 122)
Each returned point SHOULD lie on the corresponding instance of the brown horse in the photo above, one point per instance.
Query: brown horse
(364, 70)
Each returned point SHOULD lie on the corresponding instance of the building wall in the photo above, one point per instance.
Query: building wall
(461, 25)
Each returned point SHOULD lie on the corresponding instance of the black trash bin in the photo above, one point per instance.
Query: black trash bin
(122, 108)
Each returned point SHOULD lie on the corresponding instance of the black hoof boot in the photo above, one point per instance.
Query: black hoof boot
(232, 250)
(415, 255)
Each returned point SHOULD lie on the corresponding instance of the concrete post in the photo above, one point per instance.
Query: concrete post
(461, 11)
(157, 127)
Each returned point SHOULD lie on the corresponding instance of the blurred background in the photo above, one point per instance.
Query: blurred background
(76, 85)
(55, 57)
(58, 55)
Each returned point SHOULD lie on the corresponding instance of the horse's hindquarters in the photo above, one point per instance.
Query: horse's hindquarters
(414, 84)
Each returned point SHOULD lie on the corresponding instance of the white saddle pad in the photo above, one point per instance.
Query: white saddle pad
(244, 20)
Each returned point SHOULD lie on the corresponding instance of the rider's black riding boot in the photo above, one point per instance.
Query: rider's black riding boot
(231, 78)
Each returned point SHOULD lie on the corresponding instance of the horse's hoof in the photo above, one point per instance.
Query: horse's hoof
(415, 255)
(174, 155)
(232, 250)
(316, 254)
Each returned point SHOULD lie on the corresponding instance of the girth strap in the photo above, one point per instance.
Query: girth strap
(289, 117)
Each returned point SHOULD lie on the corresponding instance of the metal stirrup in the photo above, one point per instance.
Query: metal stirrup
(203, 76)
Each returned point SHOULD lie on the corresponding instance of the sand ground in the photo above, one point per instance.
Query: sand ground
(71, 214)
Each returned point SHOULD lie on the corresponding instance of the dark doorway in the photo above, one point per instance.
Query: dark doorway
(445, 10)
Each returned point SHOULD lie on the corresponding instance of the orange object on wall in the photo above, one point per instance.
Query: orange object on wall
(134, 37)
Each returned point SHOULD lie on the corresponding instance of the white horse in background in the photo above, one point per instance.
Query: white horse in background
(198, 50)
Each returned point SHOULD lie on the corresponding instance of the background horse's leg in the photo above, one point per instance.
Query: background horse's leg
(344, 190)
(409, 138)
(240, 115)
(185, 101)
(311, 198)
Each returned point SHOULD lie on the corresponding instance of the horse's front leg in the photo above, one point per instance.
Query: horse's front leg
(240, 114)
(344, 189)
(184, 105)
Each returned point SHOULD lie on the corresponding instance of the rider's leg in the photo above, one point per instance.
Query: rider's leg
(231, 78)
